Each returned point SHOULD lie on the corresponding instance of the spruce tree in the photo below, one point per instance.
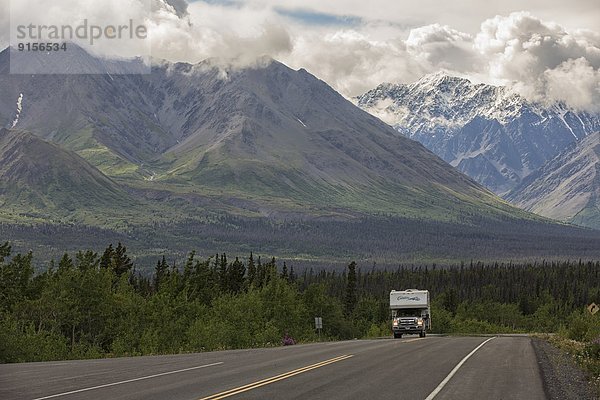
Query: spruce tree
(121, 263)
(87, 260)
(236, 272)
(251, 270)
(284, 272)
(260, 273)
(161, 271)
(106, 259)
(188, 268)
(65, 264)
(350, 301)
(202, 282)
(271, 270)
(223, 278)
(5, 250)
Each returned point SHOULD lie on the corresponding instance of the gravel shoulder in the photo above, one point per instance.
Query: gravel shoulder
(562, 378)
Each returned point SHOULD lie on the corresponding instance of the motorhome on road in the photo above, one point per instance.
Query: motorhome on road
(411, 312)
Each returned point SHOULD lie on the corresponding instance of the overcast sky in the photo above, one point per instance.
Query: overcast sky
(547, 49)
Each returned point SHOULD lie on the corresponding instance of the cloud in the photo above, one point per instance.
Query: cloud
(179, 6)
(4, 24)
(239, 35)
(534, 56)
(541, 59)
(355, 46)
(351, 61)
(43, 21)
(441, 47)
(574, 82)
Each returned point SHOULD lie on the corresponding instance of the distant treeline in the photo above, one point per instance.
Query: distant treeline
(90, 304)
(388, 240)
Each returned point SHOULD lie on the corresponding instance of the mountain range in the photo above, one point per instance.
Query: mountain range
(490, 133)
(267, 138)
(567, 187)
(256, 158)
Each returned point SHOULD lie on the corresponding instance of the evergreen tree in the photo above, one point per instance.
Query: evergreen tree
(236, 272)
(450, 300)
(215, 268)
(350, 300)
(121, 263)
(271, 271)
(15, 278)
(87, 260)
(251, 270)
(223, 278)
(260, 273)
(5, 250)
(189, 266)
(284, 272)
(202, 283)
(160, 273)
(106, 260)
(65, 264)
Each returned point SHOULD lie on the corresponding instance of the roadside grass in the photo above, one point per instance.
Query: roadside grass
(580, 338)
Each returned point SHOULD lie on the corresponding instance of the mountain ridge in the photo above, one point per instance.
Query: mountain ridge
(264, 133)
(567, 187)
(260, 159)
(46, 178)
(488, 132)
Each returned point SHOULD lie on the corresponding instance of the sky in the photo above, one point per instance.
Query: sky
(547, 50)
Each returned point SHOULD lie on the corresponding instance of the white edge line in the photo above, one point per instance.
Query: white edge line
(127, 381)
(451, 374)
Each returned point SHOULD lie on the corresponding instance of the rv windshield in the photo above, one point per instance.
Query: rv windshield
(407, 312)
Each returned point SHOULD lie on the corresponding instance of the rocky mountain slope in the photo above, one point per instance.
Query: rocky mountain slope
(265, 139)
(490, 133)
(567, 187)
(42, 178)
(264, 158)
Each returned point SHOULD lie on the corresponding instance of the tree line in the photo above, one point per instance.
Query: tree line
(89, 304)
(386, 239)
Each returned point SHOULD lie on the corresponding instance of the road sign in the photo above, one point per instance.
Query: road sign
(593, 308)
(318, 323)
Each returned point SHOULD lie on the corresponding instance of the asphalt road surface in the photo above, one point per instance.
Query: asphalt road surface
(410, 368)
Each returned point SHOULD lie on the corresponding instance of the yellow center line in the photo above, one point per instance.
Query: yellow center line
(267, 381)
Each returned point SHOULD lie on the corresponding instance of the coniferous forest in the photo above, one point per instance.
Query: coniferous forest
(89, 304)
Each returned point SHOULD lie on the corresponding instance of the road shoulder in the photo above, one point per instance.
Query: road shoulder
(561, 377)
(505, 368)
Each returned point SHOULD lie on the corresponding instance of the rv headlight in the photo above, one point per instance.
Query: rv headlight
(419, 321)
(395, 323)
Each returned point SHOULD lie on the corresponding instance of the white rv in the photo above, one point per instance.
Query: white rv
(411, 312)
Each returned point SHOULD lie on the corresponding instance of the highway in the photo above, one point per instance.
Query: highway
(410, 368)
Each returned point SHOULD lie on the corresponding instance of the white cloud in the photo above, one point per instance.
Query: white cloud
(517, 49)
(441, 47)
(86, 15)
(537, 55)
(216, 31)
(392, 42)
(4, 24)
(574, 82)
(351, 61)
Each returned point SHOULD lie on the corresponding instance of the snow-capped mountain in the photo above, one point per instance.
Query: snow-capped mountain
(490, 133)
